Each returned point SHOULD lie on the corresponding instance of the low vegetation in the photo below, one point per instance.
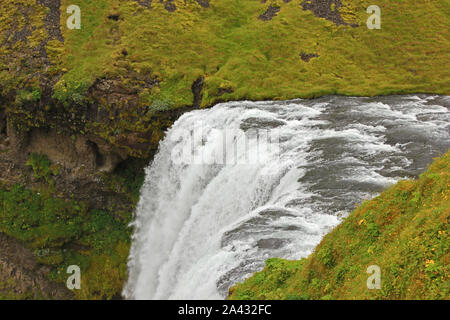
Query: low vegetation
(64, 232)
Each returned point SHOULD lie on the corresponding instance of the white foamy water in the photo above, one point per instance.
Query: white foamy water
(206, 220)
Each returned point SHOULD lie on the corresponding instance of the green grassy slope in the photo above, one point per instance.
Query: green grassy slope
(61, 232)
(405, 231)
(257, 59)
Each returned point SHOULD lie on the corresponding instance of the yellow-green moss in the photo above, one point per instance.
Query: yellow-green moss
(227, 42)
(63, 232)
(260, 59)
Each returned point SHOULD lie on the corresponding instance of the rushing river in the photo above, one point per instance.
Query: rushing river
(245, 181)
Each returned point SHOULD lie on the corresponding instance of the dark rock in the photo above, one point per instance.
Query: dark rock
(114, 17)
(271, 243)
(270, 13)
(203, 3)
(322, 9)
(308, 56)
(197, 88)
(145, 3)
(19, 266)
(169, 5)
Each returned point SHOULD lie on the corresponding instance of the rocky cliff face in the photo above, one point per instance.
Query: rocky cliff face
(21, 276)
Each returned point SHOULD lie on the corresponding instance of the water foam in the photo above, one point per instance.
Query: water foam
(199, 228)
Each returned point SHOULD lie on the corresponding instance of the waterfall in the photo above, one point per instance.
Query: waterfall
(244, 181)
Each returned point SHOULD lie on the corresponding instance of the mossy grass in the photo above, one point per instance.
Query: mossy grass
(253, 59)
(64, 232)
(231, 47)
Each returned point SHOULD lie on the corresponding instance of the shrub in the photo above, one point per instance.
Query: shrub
(42, 167)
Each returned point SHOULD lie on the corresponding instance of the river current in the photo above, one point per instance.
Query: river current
(245, 181)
